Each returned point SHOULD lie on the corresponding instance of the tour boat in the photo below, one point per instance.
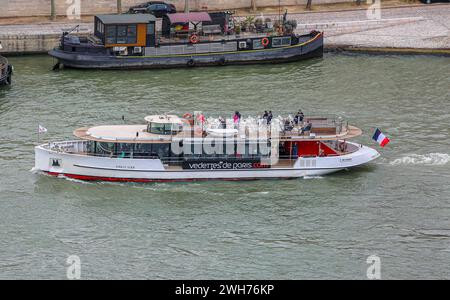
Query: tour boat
(142, 41)
(193, 147)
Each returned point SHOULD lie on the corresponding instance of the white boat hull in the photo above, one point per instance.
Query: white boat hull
(85, 167)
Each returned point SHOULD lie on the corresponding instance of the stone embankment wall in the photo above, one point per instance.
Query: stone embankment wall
(27, 8)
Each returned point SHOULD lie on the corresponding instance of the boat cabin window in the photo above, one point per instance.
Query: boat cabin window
(281, 41)
(100, 27)
(242, 150)
(163, 128)
(104, 148)
(151, 28)
(257, 44)
(121, 34)
(128, 150)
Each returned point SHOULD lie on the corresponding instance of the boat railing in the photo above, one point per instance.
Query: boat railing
(178, 49)
(183, 36)
(321, 125)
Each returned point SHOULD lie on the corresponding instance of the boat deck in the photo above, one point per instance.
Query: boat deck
(137, 134)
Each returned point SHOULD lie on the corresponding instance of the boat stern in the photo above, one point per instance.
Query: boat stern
(360, 157)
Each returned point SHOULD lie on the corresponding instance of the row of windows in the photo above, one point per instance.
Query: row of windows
(276, 42)
(101, 27)
(121, 34)
(281, 41)
(186, 150)
(165, 129)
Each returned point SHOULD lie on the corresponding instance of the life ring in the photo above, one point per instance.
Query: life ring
(187, 116)
(194, 39)
(265, 42)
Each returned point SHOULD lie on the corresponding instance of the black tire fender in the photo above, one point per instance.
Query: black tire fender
(222, 61)
(191, 62)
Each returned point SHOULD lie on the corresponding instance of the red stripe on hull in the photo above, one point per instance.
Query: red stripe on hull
(142, 180)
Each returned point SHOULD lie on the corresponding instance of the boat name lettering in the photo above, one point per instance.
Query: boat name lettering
(224, 165)
(345, 159)
(125, 167)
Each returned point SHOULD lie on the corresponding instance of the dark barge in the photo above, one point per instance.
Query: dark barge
(6, 71)
(133, 42)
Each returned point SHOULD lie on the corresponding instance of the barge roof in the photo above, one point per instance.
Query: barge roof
(189, 17)
(126, 19)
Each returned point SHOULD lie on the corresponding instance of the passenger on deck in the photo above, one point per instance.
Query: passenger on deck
(295, 151)
(269, 117)
(298, 119)
(288, 125)
(306, 128)
(223, 124)
(236, 118)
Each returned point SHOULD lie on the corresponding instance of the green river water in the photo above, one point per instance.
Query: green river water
(397, 207)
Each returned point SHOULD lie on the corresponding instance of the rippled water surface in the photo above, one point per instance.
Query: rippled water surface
(397, 207)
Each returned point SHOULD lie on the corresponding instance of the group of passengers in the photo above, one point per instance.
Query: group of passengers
(236, 119)
(298, 119)
(268, 116)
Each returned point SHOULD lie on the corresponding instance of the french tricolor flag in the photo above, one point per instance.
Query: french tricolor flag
(380, 138)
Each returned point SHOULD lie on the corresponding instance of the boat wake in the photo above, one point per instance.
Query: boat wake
(74, 180)
(39, 172)
(434, 159)
(35, 170)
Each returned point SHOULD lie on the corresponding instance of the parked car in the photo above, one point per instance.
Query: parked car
(157, 8)
(434, 1)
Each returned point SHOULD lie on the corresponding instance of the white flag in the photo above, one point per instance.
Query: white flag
(42, 129)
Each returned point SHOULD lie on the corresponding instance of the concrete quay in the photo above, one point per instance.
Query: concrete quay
(415, 29)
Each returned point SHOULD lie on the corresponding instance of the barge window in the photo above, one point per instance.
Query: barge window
(281, 41)
(100, 27)
(131, 34)
(151, 28)
(111, 34)
(257, 44)
(122, 34)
